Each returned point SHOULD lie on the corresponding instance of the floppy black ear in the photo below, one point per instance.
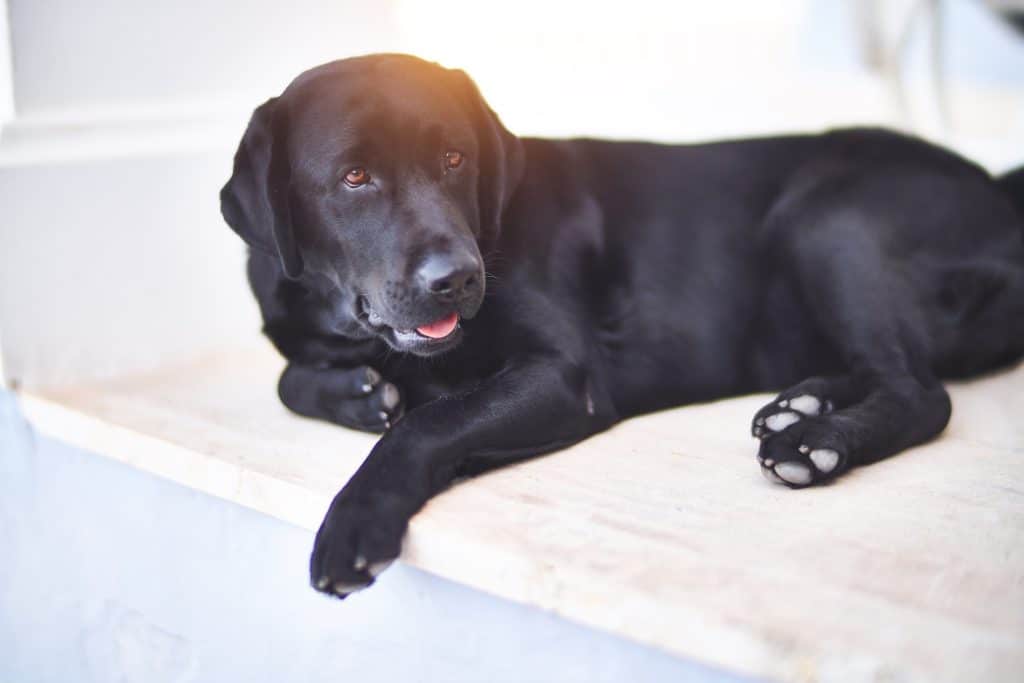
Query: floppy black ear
(254, 202)
(502, 157)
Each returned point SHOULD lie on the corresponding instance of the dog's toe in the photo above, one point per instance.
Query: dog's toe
(806, 454)
(770, 475)
(786, 411)
(825, 459)
(794, 473)
(780, 421)
(806, 404)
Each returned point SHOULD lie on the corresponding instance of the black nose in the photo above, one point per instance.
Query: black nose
(448, 276)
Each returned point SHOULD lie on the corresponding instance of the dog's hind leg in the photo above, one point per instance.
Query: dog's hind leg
(888, 399)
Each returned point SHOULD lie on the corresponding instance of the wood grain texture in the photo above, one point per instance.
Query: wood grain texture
(661, 530)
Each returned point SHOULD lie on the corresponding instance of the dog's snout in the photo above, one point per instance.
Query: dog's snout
(450, 275)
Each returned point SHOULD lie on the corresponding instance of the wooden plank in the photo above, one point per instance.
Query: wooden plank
(661, 530)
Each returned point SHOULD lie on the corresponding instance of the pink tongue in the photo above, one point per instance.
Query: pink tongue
(439, 329)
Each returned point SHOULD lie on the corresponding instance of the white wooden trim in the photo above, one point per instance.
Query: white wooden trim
(82, 137)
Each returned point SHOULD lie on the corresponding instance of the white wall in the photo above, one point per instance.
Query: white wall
(115, 258)
(6, 76)
(125, 55)
(6, 112)
(117, 265)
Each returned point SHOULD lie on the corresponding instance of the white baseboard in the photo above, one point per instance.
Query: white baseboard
(79, 136)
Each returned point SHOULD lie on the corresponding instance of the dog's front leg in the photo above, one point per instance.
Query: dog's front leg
(533, 406)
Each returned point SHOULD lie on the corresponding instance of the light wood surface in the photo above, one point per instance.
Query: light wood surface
(661, 530)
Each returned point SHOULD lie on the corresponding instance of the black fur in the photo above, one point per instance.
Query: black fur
(857, 268)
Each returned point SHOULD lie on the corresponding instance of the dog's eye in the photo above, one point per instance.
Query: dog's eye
(452, 159)
(357, 177)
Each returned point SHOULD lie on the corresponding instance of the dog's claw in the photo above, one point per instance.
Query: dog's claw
(343, 589)
(377, 567)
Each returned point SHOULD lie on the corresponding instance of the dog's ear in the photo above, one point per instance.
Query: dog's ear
(255, 200)
(502, 157)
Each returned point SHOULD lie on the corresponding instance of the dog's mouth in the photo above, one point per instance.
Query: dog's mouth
(426, 339)
(439, 329)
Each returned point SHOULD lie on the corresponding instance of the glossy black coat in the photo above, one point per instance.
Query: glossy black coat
(856, 267)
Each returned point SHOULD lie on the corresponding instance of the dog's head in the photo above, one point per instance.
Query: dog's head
(379, 179)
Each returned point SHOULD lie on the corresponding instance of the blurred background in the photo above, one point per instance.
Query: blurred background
(120, 117)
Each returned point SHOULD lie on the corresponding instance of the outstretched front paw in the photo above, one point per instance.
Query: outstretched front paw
(356, 542)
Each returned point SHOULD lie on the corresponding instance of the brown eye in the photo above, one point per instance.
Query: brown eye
(452, 159)
(357, 177)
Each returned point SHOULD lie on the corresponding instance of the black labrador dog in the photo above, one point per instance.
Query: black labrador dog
(482, 298)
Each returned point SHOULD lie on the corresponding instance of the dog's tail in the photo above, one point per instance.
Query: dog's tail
(1013, 185)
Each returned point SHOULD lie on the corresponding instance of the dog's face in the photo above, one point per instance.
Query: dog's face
(378, 181)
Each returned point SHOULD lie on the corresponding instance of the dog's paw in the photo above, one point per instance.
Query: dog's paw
(355, 543)
(805, 453)
(370, 403)
(352, 397)
(788, 409)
